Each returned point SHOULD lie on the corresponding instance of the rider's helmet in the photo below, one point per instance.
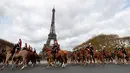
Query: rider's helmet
(25, 43)
(96, 50)
(89, 44)
(20, 40)
(104, 47)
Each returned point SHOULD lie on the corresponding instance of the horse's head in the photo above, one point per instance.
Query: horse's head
(46, 48)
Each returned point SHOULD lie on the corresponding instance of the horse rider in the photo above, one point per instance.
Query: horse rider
(34, 50)
(55, 49)
(117, 48)
(104, 51)
(20, 43)
(25, 47)
(123, 50)
(16, 48)
(29, 48)
(90, 47)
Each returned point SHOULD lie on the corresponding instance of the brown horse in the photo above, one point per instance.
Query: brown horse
(82, 56)
(73, 57)
(2, 55)
(99, 57)
(26, 56)
(48, 52)
(87, 56)
(8, 56)
(37, 57)
(107, 57)
(78, 56)
(62, 57)
(31, 57)
(23, 54)
(119, 56)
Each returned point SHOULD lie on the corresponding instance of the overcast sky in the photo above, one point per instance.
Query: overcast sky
(76, 20)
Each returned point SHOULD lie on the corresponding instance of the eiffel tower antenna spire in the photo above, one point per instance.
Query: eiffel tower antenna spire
(52, 35)
(52, 30)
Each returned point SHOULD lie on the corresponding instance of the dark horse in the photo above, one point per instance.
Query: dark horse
(2, 54)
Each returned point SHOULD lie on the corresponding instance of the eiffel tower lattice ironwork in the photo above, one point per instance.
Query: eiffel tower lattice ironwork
(52, 35)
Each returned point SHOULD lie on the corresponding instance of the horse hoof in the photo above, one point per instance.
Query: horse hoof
(32, 65)
(63, 66)
(103, 65)
(47, 67)
(55, 66)
(1, 69)
(85, 64)
(22, 68)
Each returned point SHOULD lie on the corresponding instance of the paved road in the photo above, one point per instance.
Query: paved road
(41, 68)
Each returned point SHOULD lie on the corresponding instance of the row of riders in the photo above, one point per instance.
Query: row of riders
(85, 55)
(88, 54)
(23, 55)
(18, 56)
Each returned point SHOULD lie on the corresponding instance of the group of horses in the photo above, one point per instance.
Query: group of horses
(61, 56)
(20, 57)
(83, 56)
(23, 57)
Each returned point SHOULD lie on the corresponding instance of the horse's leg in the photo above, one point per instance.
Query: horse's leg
(93, 59)
(126, 60)
(88, 59)
(123, 59)
(104, 61)
(48, 61)
(6, 61)
(85, 61)
(12, 62)
(116, 59)
(23, 66)
(82, 62)
(24, 63)
(65, 61)
(54, 63)
(17, 62)
(98, 61)
(32, 61)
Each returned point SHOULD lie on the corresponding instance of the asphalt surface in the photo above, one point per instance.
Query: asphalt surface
(71, 68)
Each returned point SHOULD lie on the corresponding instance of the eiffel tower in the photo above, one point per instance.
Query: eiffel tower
(52, 35)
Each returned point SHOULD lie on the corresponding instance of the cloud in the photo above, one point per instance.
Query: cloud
(76, 20)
